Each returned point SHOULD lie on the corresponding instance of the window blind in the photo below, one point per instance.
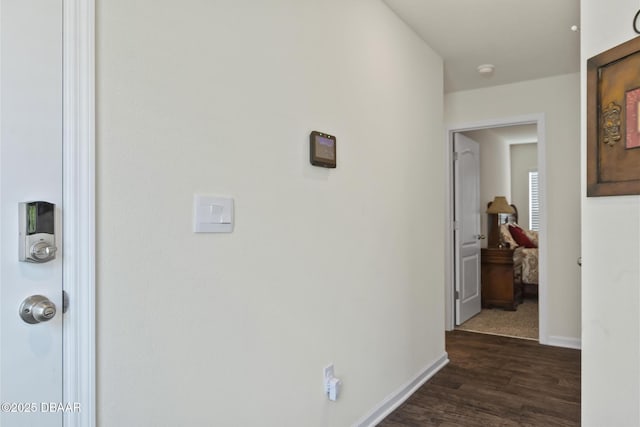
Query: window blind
(534, 205)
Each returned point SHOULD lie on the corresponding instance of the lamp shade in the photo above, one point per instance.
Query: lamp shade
(500, 206)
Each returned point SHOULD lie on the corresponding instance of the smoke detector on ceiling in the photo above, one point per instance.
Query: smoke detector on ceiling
(486, 69)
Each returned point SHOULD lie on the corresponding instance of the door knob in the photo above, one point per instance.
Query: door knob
(36, 309)
(481, 237)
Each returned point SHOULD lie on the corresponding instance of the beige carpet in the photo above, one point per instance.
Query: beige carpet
(522, 323)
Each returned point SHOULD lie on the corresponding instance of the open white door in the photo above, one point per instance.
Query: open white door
(31, 170)
(467, 227)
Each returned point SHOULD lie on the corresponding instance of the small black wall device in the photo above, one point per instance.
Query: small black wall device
(322, 149)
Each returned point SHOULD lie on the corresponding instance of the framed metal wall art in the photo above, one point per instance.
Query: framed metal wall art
(613, 121)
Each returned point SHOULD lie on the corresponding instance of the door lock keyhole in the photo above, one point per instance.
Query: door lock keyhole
(37, 309)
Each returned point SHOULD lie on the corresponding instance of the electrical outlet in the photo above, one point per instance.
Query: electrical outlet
(334, 389)
(328, 374)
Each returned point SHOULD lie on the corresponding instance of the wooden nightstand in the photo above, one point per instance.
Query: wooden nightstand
(499, 287)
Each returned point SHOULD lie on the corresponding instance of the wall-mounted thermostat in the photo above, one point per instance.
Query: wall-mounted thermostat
(322, 149)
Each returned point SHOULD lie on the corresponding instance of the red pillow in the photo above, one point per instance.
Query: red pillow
(521, 239)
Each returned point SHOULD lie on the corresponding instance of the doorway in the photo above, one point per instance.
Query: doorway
(532, 122)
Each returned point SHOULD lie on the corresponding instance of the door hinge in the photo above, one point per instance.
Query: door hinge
(456, 156)
(457, 295)
(456, 225)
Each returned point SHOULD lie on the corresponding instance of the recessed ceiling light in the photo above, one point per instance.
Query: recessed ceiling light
(575, 28)
(486, 69)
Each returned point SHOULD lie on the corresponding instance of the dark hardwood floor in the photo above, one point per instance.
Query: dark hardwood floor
(497, 381)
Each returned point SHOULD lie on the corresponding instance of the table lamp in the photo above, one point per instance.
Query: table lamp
(494, 210)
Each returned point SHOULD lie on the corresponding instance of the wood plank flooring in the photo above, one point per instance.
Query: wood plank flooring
(497, 381)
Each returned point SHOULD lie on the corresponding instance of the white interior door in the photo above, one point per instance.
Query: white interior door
(30, 170)
(467, 227)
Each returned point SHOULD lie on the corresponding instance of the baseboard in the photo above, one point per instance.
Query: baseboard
(575, 343)
(397, 398)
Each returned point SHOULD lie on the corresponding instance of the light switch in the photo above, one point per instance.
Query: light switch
(212, 214)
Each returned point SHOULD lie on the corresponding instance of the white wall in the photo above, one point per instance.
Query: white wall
(494, 176)
(342, 266)
(494, 172)
(611, 259)
(557, 98)
(524, 159)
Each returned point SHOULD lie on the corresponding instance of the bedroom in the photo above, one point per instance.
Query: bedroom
(508, 166)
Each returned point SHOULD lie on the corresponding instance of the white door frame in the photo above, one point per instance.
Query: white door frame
(539, 121)
(79, 377)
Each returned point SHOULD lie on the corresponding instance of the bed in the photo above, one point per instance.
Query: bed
(525, 254)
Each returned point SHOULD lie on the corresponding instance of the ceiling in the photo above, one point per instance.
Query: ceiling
(525, 40)
(515, 134)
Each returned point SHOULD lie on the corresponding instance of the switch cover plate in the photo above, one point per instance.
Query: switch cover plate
(212, 214)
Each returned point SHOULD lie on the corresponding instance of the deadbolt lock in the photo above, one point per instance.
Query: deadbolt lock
(37, 240)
